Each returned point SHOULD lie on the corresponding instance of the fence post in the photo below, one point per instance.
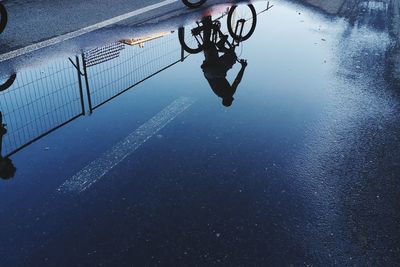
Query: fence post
(182, 50)
(87, 83)
(80, 84)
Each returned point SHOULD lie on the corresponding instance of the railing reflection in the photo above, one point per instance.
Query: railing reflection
(128, 68)
(38, 101)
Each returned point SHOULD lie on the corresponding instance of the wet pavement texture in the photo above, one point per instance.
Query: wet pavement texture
(123, 153)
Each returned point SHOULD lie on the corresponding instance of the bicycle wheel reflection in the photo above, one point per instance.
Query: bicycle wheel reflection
(3, 17)
(208, 37)
(7, 168)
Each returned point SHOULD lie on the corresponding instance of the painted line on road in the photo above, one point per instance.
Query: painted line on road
(98, 168)
(74, 34)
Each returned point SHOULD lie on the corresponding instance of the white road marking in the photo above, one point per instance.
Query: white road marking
(95, 170)
(68, 36)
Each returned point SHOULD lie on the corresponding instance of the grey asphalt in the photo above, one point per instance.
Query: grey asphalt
(165, 18)
(33, 21)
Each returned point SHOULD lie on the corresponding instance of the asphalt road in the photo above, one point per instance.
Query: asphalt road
(302, 170)
(34, 21)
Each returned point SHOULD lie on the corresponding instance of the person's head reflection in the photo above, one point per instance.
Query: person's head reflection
(227, 101)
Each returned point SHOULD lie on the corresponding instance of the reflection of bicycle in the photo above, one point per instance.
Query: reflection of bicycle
(193, 3)
(3, 18)
(241, 23)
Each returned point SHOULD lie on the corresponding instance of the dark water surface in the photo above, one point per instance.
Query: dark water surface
(302, 169)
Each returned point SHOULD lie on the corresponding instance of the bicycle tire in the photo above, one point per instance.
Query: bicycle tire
(253, 26)
(193, 4)
(190, 50)
(3, 18)
(8, 83)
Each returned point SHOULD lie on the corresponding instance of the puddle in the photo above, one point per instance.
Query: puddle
(144, 144)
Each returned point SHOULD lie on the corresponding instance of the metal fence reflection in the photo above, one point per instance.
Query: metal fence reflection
(127, 68)
(41, 100)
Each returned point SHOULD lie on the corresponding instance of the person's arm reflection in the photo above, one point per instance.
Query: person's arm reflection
(239, 76)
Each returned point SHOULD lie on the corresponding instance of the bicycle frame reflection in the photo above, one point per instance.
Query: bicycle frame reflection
(220, 52)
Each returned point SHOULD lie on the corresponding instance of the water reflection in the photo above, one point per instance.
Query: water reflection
(374, 14)
(379, 16)
(110, 70)
(39, 101)
(42, 99)
(208, 36)
(215, 67)
(250, 198)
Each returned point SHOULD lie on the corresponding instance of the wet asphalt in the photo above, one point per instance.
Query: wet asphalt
(302, 170)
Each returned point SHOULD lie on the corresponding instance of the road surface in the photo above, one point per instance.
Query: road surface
(302, 170)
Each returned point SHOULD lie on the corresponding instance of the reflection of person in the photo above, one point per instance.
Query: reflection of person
(7, 169)
(215, 67)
